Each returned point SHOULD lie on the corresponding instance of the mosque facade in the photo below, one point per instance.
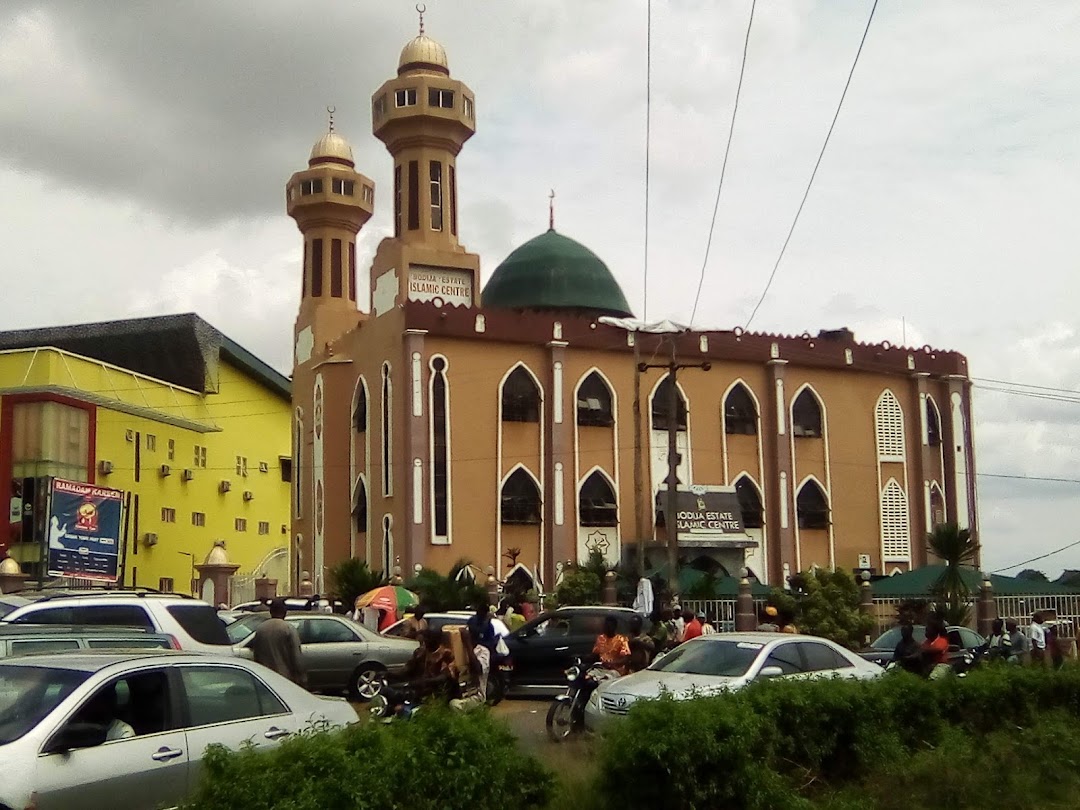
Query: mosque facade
(513, 426)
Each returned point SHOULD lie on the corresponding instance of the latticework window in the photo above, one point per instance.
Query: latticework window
(889, 426)
(895, 525)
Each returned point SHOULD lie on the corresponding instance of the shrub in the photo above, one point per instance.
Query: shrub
(438, 592)
(784, 744)
(578, 587)
(439, 760)
(352, 578)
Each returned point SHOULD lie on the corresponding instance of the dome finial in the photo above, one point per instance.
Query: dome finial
(330, 110)
(551, 210)
(420, 9)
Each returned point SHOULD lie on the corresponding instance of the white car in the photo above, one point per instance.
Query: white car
(98, 731)
(194, 624)
(723, 662)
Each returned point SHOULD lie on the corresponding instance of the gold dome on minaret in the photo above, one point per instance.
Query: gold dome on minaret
(331, 147)
(423, 53)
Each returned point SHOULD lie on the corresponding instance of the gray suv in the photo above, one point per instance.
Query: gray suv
(194, 624)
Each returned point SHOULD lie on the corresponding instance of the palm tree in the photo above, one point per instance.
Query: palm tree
(956, 548)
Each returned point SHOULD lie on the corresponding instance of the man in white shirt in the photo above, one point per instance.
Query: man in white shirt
(1038, 640)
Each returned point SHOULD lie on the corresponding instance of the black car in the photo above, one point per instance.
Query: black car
(544, 648)
(965, 646)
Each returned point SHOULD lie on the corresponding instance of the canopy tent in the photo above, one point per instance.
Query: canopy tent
(919, 584)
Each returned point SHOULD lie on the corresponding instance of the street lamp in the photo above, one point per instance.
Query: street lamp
(191, 572)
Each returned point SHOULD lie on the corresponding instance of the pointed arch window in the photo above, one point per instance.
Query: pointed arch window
(740, 412)
(806, 418)
(661, 408)
(520, 397)
(895, 524)
(594, 408)
(597, 505)
(937, 507)
(812, 506)
(753, 513)
(520, 499)
(933, 423)
(387, 432)
(388, 544)
(440, 447)
(297, 464)
(359, 412)
(889, 427)
(360, 507)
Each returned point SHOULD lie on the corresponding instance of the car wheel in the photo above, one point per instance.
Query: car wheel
(367, 682)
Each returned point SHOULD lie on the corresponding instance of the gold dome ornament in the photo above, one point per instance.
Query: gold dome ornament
(423, 53)
(217, 555)
(9, 566)
(331, 147)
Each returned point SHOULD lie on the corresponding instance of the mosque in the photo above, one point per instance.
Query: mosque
(511, 424)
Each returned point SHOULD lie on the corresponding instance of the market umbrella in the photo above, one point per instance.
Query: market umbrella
(389, 598)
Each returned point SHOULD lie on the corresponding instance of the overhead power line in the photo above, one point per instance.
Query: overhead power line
(648, 139)
(1036, 559)
(723, 166)
(813, 174)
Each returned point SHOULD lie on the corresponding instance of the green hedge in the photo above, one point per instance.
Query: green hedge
(794, 745)
(439, 760)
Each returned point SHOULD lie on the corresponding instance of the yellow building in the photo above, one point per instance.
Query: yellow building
(168, 409)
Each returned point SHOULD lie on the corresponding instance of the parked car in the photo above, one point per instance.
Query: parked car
(543, 649)
(965, 646)
(194, 624)
(437, 621)
(57, 714)
(31, 639)
(339, 654)
(10, 602)
(724, 662)
(295, 603)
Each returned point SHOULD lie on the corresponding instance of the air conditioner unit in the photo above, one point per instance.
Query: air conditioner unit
(264, 467)
(249, 495)
(224, 486)
(188, 475)
(105, 467)
(165, 470)
(129, 435)
(151, 539)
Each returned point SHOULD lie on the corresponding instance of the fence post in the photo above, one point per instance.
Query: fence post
(985, 609)
(607, 594)
(745, 620)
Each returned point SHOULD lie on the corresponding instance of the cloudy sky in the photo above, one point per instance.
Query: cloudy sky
(144, 146)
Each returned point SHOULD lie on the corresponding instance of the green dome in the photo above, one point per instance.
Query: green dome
(554, 272)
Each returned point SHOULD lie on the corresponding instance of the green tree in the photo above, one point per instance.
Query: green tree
(579, 586)
(828, 606)
(352, 578)
(450, 592)
(1032, 575)
(957, 549)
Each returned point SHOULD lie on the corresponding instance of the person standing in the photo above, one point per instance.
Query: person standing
(999, 647)
(1038, 640)
(416, 624)
(692, 626)
(276, 645)
(908, 653)
(768, 621)
(707, 628)
(642, 647)
(1019, 643)
(680, 623)
(935, 649)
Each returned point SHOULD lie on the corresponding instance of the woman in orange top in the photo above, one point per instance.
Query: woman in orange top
(936, 648)
(612, 647)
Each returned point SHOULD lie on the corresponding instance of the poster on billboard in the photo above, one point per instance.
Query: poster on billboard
(85, 522)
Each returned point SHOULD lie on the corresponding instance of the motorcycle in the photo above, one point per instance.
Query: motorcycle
(502, 669)
(566, 715)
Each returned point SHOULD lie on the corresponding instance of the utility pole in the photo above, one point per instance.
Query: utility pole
(673, 366)
(639, 473)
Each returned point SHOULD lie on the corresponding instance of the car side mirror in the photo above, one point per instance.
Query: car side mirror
(78, 735)
(770, 672)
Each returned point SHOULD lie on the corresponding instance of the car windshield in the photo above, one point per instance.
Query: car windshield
(242, 628)
(890, 638)
(729, 659)
(201, 622)
(27, 694)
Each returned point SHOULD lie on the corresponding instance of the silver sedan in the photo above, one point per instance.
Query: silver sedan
(97, 731)
(724, 662)
(338, 654)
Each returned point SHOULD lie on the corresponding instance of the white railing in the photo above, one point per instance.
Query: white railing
(720, 611)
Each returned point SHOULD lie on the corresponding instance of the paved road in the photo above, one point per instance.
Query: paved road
(526, 719)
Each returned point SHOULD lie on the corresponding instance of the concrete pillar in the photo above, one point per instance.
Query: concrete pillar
(416, 473)
(493, 589)
(12, 578)
(777, 447)
(985, 609)
(866, 602)
(265, 589)
(607, 591)
(745, 619)
(215, 575)
(307, 587)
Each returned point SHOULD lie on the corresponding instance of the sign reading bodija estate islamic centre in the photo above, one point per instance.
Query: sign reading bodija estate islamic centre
(707, 513)
(440, 285)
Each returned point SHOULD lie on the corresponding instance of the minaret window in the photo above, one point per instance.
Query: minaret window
(406, 97)
(311, 186)
(440, 447)
(520, 397)
(352, 271)
(397, 201)
(435, 175)
(441, 98)
(304, 272)
(467, 106)
(387, 436)
(335, 268)
(344, 187)
(378, 107)
(369, 195)
(452, 176)
(316, 267)
(414, 195)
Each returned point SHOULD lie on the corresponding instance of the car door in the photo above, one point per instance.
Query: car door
(229, 705)
(821, 660)
(331, 650)
(538, 647)
(143, 772)
(788, 658)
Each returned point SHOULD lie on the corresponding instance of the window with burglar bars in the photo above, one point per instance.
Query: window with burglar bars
(520, 397)
(520, 499)
(596, 503)
(740, 414)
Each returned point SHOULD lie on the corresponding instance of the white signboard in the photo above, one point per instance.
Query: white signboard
(440, 285)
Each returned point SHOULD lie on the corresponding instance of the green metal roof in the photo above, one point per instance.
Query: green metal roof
(555, 272)
(723, 586)
(919, 583)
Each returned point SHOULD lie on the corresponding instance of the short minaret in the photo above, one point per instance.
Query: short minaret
(330, 202)
(424, 117)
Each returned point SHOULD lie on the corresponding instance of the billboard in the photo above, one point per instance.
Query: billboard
(85, 522)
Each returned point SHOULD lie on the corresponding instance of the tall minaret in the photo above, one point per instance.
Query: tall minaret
(330, 202)
(424, 117)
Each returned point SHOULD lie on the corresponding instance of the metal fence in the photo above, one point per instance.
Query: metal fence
(720, 611)
(1064, 607)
